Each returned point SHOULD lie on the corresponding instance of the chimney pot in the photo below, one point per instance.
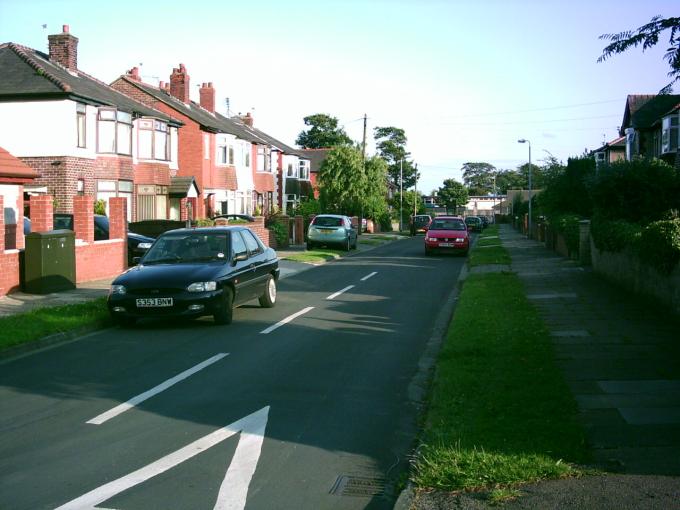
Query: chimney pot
(64, 29)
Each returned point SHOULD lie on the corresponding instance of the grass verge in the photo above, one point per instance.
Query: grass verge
(315, 256)
(492, 251)
(500, 412)
(42, 322)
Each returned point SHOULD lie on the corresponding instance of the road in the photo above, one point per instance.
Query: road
(310, 404)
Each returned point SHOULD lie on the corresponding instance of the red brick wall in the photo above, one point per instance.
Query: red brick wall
(152, 173)
(41, 213)
(83, 218)
(103, 259)
(263, 233)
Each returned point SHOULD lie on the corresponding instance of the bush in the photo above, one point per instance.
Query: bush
(568, 226)
(614, 235)
(204, 222)
(280, 233)
(660, 245)
(100, 207)
(638, 191)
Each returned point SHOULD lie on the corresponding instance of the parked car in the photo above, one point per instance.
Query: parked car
(485, 221)
(331, 229)
(196, 272)
(474, 223)
(419, 223)
(447, 233)
(136, 246)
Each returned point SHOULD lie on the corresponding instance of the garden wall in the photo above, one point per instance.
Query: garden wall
(627, 270)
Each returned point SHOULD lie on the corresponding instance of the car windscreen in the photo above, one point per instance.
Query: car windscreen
(188, 247)
(447, 225)
(327, 221)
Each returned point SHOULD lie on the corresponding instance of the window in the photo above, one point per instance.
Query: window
(231, 154)
(237, 244)
(304, 169)
(254, 247)
(81, 125)
(222, 154)
(670, 133)
(290, 172)
(153, 140)
(114, 132)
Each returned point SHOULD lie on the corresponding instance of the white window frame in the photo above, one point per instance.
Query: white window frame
(670, 133)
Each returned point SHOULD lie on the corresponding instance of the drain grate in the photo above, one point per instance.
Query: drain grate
(361, 486)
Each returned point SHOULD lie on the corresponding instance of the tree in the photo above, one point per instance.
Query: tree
(648, 36)
(478, 177)
(509, 179)
(324, 132)
(347, 186)
(453, 195)
(391, 146)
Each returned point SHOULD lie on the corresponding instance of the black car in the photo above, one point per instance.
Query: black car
(195, 272)
(136, 246)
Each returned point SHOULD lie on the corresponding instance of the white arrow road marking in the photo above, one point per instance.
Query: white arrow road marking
(369, 275)
(336, 294)
(286, 320)
(234, 489)
(111, 413)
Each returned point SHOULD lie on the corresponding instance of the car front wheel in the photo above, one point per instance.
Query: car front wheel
(225, 314)
(268, 299)
(348, 244)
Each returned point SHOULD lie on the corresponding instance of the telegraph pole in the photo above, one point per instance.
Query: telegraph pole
(415, 195)
(363, 170)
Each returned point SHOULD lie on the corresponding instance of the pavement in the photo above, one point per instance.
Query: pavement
(620, 356)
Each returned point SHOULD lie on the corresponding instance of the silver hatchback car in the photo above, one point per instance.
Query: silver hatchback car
(331, 229)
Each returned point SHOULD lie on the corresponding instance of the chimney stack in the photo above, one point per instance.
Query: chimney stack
(179, 84)
(248, 119)
(133, 74)
(64, 49)
(207, 95)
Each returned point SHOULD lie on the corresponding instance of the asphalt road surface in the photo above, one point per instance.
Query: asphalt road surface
(308, 405)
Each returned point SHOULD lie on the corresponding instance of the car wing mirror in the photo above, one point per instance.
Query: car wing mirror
(238, 257)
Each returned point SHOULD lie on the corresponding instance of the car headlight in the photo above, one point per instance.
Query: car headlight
(144, 246)
(460, 239)
(202, 286)
(118, 289)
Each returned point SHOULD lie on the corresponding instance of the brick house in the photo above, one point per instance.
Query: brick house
(651, 127)
(218, 152)
(315, 157)
(290, 166)
(82, 136)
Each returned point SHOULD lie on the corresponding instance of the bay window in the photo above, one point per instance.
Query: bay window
(114, 132)
(154, 142)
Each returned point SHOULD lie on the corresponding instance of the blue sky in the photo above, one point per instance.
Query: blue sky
(464, 79)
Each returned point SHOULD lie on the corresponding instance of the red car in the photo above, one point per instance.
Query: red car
(447, 233)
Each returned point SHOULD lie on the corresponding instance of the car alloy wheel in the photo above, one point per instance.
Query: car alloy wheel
(268, 299)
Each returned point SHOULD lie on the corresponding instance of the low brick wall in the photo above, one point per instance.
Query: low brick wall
(100, 259)
(9, 271)
(626, 269)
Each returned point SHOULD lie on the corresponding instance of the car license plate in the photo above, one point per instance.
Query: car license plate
(154, 302)
(446, 245)
(325, 230)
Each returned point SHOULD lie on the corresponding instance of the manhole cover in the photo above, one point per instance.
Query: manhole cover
(362, 486)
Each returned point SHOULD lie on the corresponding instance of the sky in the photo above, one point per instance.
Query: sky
(464, 79)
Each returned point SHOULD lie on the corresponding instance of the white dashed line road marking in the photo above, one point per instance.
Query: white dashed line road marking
(368, 276)
(336, 294)
(286, 320)
(111, 413)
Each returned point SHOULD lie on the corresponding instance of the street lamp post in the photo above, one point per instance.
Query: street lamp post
(523, 140)
(401, 196)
